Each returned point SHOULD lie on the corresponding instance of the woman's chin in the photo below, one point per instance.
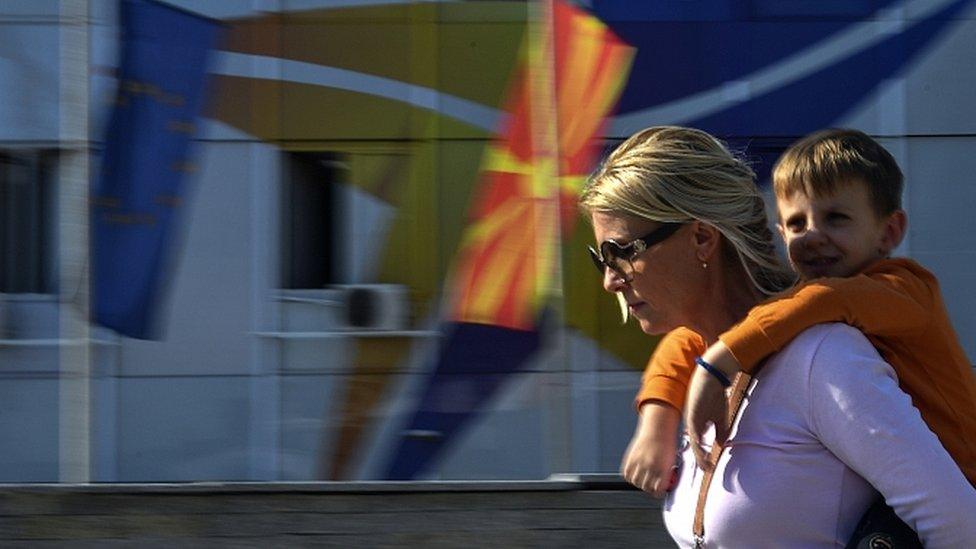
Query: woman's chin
(650, 328)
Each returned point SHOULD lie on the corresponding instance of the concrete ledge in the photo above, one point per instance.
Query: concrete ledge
(560, 482)
(562, 512)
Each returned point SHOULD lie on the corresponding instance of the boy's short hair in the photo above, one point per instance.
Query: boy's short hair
(818, 163)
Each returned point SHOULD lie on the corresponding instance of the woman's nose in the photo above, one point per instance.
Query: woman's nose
(612, 280)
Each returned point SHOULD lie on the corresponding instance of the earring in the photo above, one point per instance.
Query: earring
(704, 265)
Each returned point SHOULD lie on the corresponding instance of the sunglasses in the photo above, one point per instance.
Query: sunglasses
(619, 257)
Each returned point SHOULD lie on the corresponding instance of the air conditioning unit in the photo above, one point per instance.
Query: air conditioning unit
(373, 307)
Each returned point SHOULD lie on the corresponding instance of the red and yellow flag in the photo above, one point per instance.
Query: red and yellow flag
(571, 77)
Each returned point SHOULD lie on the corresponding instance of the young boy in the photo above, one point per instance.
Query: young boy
(838, 196)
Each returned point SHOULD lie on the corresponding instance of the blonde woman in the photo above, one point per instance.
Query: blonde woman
(683, 241)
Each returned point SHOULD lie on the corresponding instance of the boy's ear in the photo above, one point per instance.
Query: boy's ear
(894, 231)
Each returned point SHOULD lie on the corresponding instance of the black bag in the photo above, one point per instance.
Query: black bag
(880, 528)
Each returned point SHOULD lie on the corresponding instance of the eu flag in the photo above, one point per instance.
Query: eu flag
(138, 195)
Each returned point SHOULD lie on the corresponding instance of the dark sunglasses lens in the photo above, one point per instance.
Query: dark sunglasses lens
(616, 257)
(613, 251)
(597, 262)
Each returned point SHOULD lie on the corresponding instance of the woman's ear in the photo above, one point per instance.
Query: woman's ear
(894, 231)
(705, 240)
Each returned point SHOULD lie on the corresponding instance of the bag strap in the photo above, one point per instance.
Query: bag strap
(736, 396)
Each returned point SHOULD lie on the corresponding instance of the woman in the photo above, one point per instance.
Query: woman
(684, 242)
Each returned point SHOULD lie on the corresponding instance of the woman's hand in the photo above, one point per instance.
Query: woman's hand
(649, 462)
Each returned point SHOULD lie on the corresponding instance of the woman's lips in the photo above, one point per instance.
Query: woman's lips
(635, 306)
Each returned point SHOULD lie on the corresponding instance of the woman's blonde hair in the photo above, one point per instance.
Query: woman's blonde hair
(675, 174)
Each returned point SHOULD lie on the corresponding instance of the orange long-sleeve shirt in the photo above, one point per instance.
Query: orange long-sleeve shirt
(896, 303)
(668, 372)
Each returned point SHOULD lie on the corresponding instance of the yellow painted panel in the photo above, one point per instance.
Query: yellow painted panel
(276, 111)
(469, 56)
(459, 165)
(593, 311)
(477, 60)
(410, 253)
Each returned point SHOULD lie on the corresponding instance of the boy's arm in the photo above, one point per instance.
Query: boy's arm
(891, 297)
(649, 460)
(667, 373)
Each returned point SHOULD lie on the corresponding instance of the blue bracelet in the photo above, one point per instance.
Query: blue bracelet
(722, 378)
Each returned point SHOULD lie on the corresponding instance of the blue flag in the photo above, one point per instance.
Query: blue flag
(138, 196)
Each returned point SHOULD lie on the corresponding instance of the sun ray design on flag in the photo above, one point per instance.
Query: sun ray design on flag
(508, 265)
(532, 173)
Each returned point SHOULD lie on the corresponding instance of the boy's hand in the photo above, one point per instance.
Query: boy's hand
(705, 404)
(707, 401)
(649, 462)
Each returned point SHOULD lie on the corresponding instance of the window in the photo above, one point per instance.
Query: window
(27, 221)
(311, 219)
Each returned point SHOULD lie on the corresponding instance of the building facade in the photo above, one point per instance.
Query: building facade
(334, 168)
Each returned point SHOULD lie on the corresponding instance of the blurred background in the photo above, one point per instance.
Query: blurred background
(273, 240)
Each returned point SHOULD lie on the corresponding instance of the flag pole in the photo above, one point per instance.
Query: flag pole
(549, 288)
(74, 389)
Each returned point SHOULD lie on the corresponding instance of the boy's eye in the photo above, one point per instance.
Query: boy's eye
(794, 224)
(837, 217)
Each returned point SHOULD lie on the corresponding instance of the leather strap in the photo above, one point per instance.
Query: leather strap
(736, 396)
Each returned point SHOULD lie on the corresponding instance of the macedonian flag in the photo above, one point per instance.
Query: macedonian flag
(508, 265)
(531, 174)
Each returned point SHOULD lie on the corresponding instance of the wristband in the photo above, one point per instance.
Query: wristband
(722, 378)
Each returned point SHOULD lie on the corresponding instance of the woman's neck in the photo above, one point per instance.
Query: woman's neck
(729, 299)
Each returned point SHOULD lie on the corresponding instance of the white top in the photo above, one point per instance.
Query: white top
(822, 423)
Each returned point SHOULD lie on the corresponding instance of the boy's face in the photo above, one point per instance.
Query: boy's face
(836, 235)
